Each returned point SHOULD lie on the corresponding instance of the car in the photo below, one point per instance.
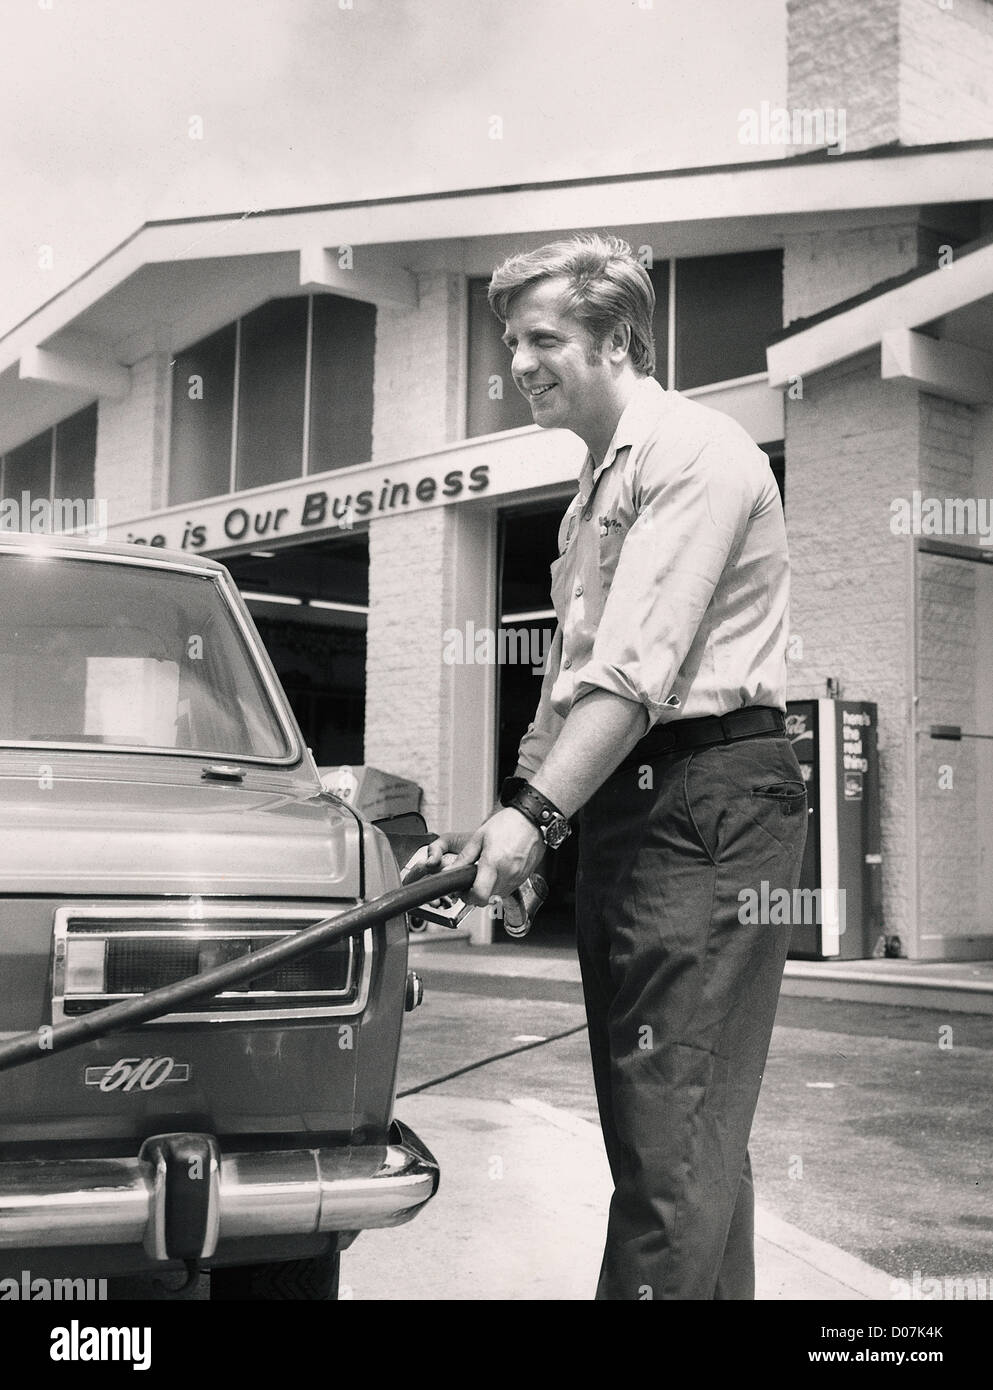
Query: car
(160, 815)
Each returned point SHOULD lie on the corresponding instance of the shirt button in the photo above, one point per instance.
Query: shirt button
(567, 663)
(587, 514)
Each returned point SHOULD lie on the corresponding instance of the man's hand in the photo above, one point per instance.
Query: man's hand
(440, 854)
(507, 848)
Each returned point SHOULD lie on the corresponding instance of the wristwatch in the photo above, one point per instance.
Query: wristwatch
(551, 824)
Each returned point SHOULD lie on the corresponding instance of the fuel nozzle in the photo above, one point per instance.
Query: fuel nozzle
(445, 911)
(521, 908)
(517, 912)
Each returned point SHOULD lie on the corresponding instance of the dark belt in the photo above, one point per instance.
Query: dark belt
(679, 735)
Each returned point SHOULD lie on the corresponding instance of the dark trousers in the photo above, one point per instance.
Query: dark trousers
(681, 997)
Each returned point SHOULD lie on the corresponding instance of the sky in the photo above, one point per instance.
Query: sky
(116, 112)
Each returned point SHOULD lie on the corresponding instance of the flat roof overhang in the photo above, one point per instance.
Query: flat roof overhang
(174, 281)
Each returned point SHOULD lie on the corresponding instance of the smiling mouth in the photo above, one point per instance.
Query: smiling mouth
(536, 392)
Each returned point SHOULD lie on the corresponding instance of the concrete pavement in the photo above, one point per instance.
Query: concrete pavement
(525, 1186)
(521, 1211)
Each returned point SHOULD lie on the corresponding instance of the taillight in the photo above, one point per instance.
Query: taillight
(105, 953)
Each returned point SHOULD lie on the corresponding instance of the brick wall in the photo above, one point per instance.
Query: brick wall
(131, 443)
(854, 444)
(946, 596)
(851, 447)
(845, 55)
(427, 719)
(907, 71)
(405, 696)
(417, 375)
(945, 71)
(950, 602)
(822, 267)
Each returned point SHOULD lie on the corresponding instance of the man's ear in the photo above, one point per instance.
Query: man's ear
(619, 341)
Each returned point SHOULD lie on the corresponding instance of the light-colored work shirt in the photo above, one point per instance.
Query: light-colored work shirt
(672, 582)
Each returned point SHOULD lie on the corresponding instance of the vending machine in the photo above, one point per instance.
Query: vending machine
(838, 909)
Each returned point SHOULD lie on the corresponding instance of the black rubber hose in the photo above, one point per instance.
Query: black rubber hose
(30, 1047)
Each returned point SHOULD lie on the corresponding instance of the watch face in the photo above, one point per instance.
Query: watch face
(556, 832)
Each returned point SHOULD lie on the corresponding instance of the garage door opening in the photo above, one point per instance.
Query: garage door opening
(310, 604)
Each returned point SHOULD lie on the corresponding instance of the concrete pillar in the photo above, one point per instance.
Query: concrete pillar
(429, 572)
(132, 443)
(420, 371)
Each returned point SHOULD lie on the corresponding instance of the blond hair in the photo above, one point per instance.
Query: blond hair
(606, 285)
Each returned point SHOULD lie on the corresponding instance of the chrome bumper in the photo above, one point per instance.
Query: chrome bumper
(298, 1192)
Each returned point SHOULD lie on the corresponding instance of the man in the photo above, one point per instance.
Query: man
(661, 721)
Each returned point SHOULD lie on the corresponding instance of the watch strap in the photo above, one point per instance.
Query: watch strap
(537, 808)
(509, 788)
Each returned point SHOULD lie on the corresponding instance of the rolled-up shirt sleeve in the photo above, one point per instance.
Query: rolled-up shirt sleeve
(544, 729)
(690, 522)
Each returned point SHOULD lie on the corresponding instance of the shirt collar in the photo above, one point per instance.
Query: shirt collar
(637, 418)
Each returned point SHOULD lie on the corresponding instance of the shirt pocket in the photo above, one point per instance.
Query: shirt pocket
(609, 540)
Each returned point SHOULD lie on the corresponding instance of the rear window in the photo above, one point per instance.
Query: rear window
(97, 653)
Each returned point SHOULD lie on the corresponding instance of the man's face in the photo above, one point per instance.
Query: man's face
(556, 364)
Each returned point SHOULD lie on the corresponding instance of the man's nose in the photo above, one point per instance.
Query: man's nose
(524, 361)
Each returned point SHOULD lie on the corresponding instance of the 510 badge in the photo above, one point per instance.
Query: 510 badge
(137, 1073)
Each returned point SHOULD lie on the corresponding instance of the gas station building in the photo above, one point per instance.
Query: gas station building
(318, 396)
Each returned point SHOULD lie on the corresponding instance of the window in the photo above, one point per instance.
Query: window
(202, 405)
(727, 309)
(344, 345)
(494, 401)
(28, 468)
(59, 462)
(243, 394)
(659, 276)
(98, 653)
(272, 367)
(75, 454)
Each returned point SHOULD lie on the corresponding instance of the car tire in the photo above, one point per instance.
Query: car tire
(314, 1280)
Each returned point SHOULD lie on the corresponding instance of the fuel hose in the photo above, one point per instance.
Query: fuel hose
(30, 1047)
